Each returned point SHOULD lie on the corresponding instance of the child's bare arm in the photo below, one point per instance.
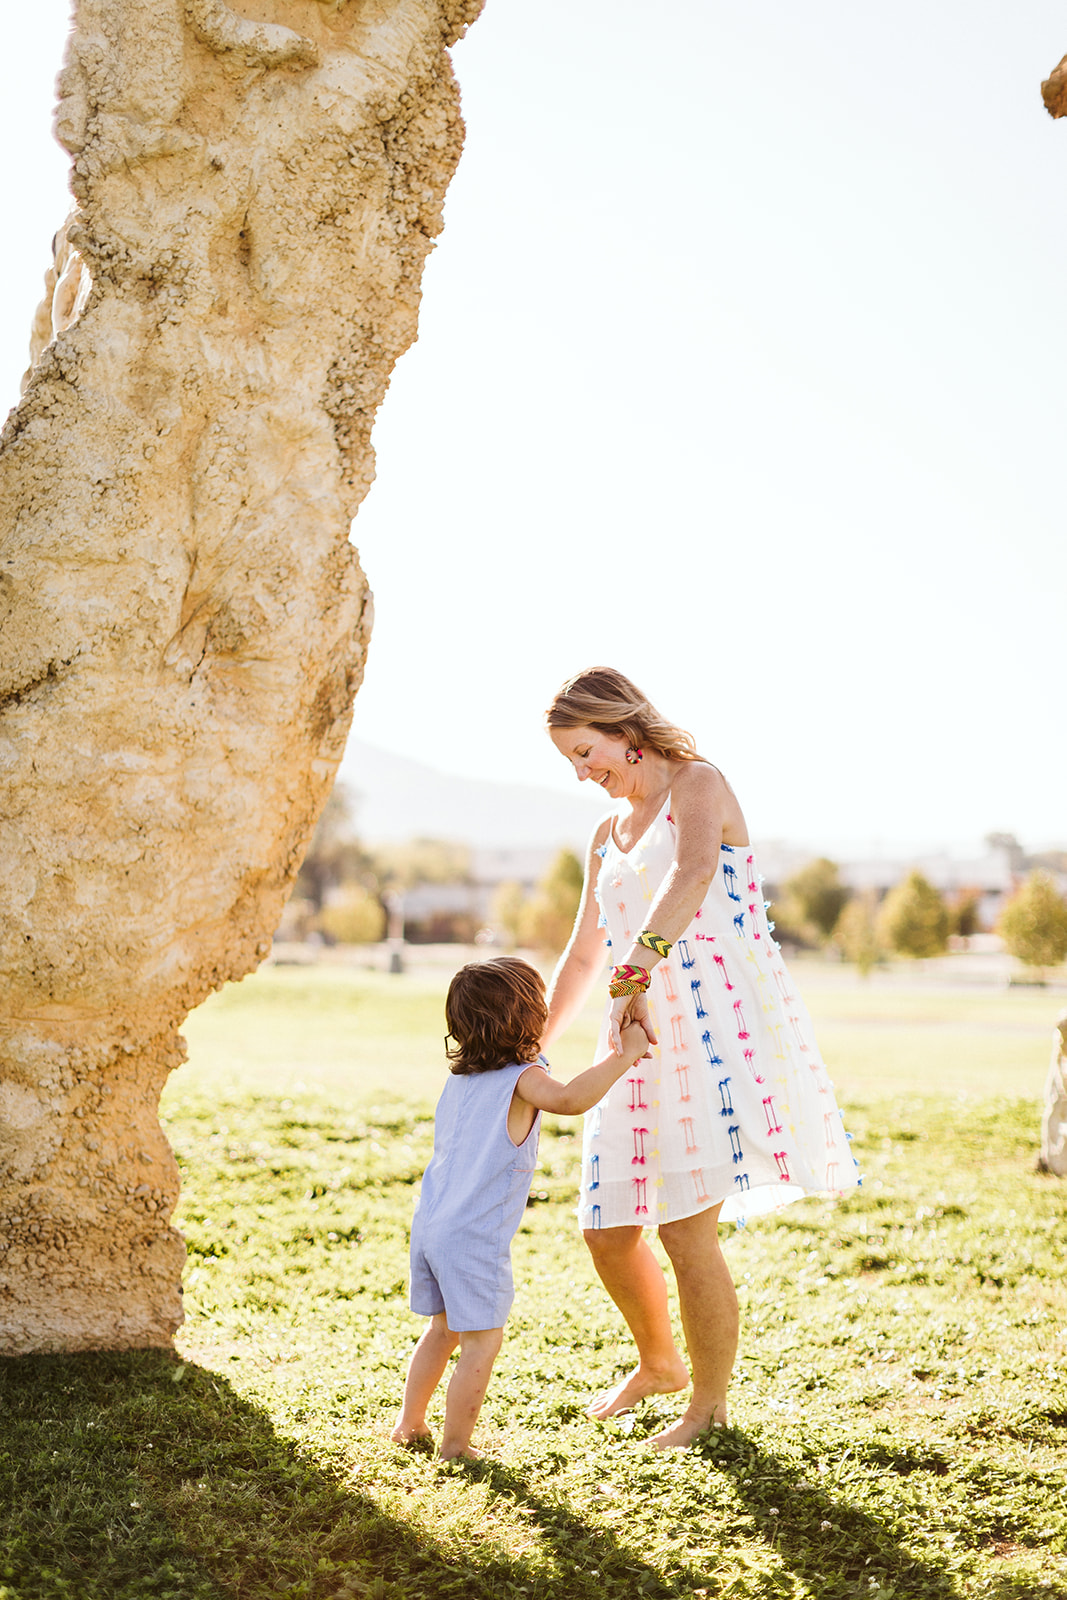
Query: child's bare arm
(589, 1087)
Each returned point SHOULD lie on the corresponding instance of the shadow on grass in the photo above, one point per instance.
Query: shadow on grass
(862, 1558)
(836, 1547)
(135, 1477)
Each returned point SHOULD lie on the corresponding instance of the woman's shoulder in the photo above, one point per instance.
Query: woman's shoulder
(702, 800)
(697, 779)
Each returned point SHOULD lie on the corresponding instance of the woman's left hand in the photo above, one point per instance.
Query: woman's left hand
(625, 1009)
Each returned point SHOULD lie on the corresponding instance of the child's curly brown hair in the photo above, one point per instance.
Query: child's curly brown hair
(496, 1013)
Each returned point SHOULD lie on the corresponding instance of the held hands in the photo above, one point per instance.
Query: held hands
(634, 1043)
(630, 1011)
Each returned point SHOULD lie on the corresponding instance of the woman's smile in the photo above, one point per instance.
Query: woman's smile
(586, 748)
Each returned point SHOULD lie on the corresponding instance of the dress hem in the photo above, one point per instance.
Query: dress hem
(757, 1203)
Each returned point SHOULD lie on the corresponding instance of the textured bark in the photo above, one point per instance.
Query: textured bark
(1054, 90)
(183, 621)
(1054, 1119)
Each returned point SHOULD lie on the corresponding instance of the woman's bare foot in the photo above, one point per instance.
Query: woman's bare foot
(681, 1434)
(412, 1437)
(637, 1386)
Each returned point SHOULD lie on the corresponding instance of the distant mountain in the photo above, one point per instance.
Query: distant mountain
(400, 799)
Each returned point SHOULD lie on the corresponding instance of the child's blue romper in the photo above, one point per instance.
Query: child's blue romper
(474, 1192)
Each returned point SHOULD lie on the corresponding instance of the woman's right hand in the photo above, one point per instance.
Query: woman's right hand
(625, 1010)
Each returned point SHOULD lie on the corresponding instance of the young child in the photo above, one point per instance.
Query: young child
(476, 1186)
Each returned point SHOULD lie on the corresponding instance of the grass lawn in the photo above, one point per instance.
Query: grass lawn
(899, 1413)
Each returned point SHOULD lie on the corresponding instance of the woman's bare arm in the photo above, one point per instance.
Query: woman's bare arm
(700, 801)
(583, 959)
(699, 798)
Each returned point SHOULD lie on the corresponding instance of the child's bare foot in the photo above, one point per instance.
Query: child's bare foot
(681, 1434)
(460, 1453)
(412, 1437)
(637, 1386)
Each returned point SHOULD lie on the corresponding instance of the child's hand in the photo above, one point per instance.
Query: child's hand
(629, 1008)
(634, 1042)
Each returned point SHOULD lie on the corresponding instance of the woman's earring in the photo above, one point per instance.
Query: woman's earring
(633, 755)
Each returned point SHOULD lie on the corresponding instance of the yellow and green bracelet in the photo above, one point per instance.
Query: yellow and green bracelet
(654, 941)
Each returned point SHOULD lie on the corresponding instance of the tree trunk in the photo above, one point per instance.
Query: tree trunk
(1054, 90)
(183, 622)
(1054, 1119)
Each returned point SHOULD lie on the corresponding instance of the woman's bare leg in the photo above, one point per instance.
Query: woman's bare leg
(466, 1389)
(425, 1371)
(709, 1318)
(633, 1278)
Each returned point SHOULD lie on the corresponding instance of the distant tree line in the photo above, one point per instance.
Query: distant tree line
(541, 921)
(345, 889)
(915, 919)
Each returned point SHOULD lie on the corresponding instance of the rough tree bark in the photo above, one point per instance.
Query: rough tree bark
(183, 622)
(1054, 90)
(1053, 1156)
(1054, 1120)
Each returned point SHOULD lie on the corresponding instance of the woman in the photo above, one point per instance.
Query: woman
(734, 1114)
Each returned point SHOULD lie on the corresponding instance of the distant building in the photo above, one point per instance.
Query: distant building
(992, 876)
(989, 876)
(441, 912)
(492, 867)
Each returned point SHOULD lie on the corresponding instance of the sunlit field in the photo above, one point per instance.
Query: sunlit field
(382, 1035)
(899, 1411)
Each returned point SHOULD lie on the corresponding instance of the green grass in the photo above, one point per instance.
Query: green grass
(355, 1030)
(884, 1033)
(368, 1030)
(900, 1404)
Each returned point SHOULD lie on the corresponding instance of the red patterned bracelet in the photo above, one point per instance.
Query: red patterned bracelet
(628, 980)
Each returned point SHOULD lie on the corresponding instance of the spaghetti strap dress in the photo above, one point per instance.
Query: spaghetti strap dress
(736, 1105)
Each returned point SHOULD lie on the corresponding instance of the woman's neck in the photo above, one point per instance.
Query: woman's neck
(652, 782)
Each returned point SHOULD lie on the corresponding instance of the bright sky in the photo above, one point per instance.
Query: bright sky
(739, 369)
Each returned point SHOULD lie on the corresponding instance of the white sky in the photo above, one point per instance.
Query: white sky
(739, 369)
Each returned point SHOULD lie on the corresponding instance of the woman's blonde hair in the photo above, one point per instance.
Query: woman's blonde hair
(604, 699)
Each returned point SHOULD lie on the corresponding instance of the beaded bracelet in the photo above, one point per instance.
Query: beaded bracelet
(655, 941)
(628, 980)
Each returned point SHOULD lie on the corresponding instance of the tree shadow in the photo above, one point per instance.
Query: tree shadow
(139, 1477)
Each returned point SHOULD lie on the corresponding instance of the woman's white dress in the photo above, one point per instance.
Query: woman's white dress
(736, 1104)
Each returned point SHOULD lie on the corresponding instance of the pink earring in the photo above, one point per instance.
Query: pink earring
(633, 756)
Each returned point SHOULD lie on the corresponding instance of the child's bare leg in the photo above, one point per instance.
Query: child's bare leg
(466, 1389)
(425, 1371)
